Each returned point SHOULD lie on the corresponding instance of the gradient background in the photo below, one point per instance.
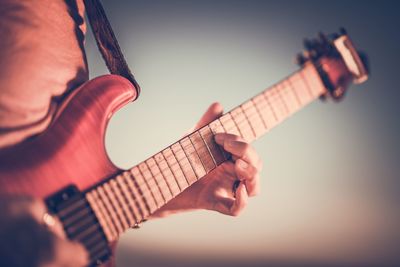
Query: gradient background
(330, 185)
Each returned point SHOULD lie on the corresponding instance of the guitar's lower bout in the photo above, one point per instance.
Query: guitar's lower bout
(72, 150)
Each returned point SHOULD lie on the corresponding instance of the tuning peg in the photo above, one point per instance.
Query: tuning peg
(322, 38)
(308, 44)
(300, 59)
(334, 36)
(342, 31)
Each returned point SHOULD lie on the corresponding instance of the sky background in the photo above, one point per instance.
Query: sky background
(330, 185)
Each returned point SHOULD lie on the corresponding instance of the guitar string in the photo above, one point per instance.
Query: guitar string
(241, 122)
(145, 193)
(253, 114)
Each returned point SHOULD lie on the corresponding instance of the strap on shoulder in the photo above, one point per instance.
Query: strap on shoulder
(107, 42)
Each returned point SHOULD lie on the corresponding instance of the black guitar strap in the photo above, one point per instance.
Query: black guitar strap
(107, 43)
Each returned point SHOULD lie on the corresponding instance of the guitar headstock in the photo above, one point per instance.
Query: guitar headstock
(337, 61)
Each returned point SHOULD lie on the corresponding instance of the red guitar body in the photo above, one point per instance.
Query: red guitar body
(72, 150)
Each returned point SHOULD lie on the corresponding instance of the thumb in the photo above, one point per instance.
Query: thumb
(213, 112)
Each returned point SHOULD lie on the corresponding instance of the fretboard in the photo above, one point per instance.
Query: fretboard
(129, 198)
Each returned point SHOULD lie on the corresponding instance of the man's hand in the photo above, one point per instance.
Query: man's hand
(216, 190)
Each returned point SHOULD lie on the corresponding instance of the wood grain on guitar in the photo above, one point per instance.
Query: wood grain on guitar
(68, 166)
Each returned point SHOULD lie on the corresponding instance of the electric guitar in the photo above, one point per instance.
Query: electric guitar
(68, 167)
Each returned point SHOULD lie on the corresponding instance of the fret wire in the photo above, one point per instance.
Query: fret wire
(274, 99)
(159, 177)
(167, 173)
(140, 190)
(279, 93)
(197, 153)
(223, 127)
(179, 164)
(227, 156)
(293, 89)
(256, 115)
(175, 168)
(120, 202)
(106, 203)
(234, 122)
(125, 195)
(270, 106)
(190, 161)
(316, 81)
(190, 171)
(114, 203)
(108, 214)
(259, 113)
(110, 211)
(118, 217)
(302, 90)
(123, 202)
(163, 176)
(158, 186)
(227, 119)
(185, 165)
(113, 229)
(288, 98)
(254, 118)
(246, 129)
(293, 96)
(277, 103)
(173, 173)
(218, 146)
(307, 85)
(192, 153)
(164, 169)
(202, 150)
(142, 206)
(265, 111)
(251, 127)
(145, 193)
(244, 124)
(209, 151)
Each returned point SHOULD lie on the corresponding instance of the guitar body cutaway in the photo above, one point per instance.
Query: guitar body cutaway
(72, 149)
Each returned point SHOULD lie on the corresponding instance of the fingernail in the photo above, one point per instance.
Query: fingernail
(231, 143)
(243, 164)
(219, 139)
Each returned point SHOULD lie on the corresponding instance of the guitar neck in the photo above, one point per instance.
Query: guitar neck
(129, 198)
